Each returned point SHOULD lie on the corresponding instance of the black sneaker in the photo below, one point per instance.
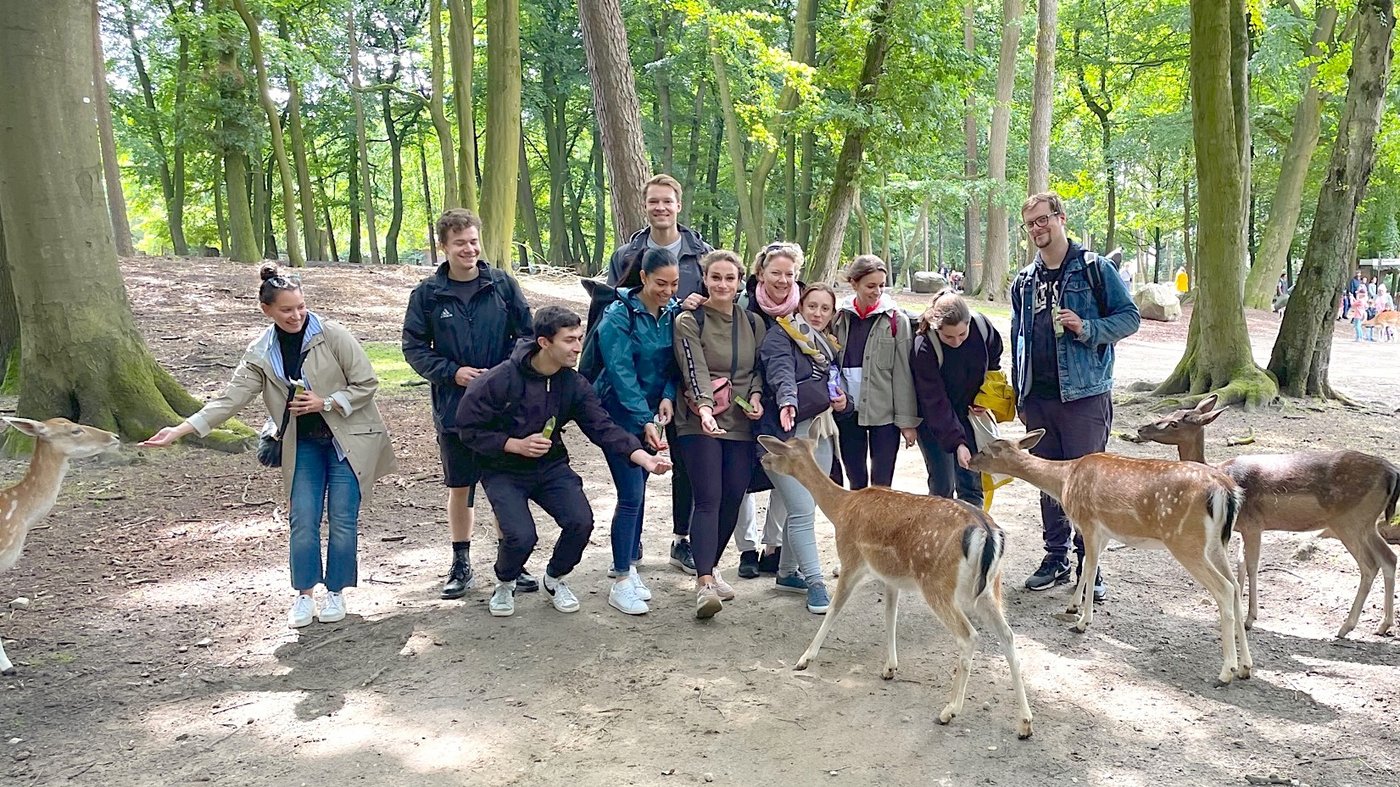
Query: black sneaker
(1052, 572)
(526, 583)
(459, 577)
(681, 556)
(768, 564)
(1100, 588)
(748, 564)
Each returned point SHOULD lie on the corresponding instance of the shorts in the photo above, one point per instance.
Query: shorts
(461, 467)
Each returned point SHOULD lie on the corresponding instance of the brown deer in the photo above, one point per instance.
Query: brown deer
(948, 551)
(1343, 492)
(1186, 509)
(56, 441)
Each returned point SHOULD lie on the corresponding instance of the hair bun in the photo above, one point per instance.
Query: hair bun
(267, 271)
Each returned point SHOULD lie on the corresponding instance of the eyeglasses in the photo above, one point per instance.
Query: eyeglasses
(1038, 222)
(284, 282)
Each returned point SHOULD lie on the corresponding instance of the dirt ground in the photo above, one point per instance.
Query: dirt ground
(155, 649)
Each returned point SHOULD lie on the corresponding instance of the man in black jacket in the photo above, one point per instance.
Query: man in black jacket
(513, 416)
(460, 322)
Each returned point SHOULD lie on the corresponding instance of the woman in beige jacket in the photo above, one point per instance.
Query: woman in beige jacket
(332, 452)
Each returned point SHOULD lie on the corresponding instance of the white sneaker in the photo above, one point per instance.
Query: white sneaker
(643, 592)
(707, 602)
(503, 600)
(724, 589)
(559, 594)
(303, 611)
(333, 610)
(623, 598)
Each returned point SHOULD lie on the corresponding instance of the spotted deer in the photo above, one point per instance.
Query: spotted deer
(56, 441)
(949, 552)
(1343, 492)
(1184, 508)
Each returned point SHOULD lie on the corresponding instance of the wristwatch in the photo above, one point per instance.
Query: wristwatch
(326, 405)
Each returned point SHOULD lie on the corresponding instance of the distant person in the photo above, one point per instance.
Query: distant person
(1282, 287)
(514, 416)
(333, 449)
(1357, 313)
(461, 321)
(1062, 361)
(1183, 281)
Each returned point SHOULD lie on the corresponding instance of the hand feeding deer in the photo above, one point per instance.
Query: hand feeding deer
(1187, 509)
(56, 441)
(1345, 492)
(948, 551)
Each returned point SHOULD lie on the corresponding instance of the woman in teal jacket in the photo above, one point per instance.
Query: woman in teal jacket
(637, 388)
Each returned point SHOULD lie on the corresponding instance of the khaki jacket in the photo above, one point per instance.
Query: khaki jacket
(336, 368)
(887, 384)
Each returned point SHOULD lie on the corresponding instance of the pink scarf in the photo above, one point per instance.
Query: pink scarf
(775, 309)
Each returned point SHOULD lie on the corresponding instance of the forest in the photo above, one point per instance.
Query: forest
(1239, 141)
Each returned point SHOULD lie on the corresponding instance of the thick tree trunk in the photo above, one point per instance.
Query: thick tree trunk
(529, 216)
(82, 355)
(243, 240)
(619, 115)
(178, 186)
(451, 197)
(9, 325)
(734, 141)
(1218, 356)
(462, 47)
(502, 165)
(998, 253)
(972, 218)
(111, 166)
(1042, 99)
(356, 257)
(279, 148)
(821, 265)
(153, 127)
(1287, 205)
(303, 170)
(1303, 349)
(362, 148)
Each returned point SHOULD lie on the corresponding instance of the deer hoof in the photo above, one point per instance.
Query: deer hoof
(1244, 671)
(9, 671)
(1023, 730)
(800, 665)
(946, 716)
(887, 673)
(1224, 680)
(1079, 628)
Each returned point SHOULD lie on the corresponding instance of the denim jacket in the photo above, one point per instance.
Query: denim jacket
(1086, 361)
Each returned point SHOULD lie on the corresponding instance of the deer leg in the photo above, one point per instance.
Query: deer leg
(1092, 549)
(961, 629)
(992, 613)
(1366, 561)
(6, 668)
(845, 588)
(1204, 569)
(1386, 558)
(891, 618)
(1221, 560)
(1252, 538)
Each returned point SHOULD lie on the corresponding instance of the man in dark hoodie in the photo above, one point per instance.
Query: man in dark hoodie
(460, 322)
(513, 416)
(664, 231)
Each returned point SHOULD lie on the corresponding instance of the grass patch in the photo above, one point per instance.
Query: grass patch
(915, 303)
(389, 364)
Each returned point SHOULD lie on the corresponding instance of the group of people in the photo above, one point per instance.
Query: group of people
(698, 353)
(1363, 299)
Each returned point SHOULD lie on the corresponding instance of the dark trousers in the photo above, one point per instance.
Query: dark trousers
(719, 472)
(868, 452)
(1072, 429)
(682, 499)
(946, 478)
(556, 488)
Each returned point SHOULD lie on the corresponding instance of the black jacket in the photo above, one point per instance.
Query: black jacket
(625, 264)
(514, 400)
(441, 333)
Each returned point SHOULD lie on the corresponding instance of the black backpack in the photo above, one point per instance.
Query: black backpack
(600, 297)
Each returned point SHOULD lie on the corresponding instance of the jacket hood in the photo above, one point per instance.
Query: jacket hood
(693, 243)
(523, 353)
(886, 304)
(631, 297)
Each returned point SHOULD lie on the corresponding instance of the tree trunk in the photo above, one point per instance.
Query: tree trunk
(303, 169)
(709, 219)
(355, 256)
(790, 188)
(747, 221)
(9, 325)
(451, 197)
(111, 166)
(1218, 355)
(1042, 102)
(1287, 205)
(1101, 105)
(362, 148)
(391, 131)
(1188, 247)
(502, 167)
(429, 217)
(600, 211)
(618, 110)
(262, 211)
(220, 220)
(529, 216)
(972, 218)
(462, 47)
(243, 240)
(556, 126)
(153, 127)
(178, 187)
(661, 51)
(997, 257)
(1303, 349)
(821, 266)
(692, 161)
(82, 354)
(806, 190)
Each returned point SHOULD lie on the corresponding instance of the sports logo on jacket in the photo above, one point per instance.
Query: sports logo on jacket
(446, 313)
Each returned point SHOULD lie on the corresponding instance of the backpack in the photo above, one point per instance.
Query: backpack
(983, 327)
(601, 296)
(1093, 270)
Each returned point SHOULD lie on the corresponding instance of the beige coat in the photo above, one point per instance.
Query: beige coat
(336, 368)
(887, 384)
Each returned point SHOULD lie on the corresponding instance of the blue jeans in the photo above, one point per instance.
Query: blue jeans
(800, 533)
(626, 535)
(322, 482)
(946, 476)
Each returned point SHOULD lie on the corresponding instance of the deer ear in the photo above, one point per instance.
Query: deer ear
(28, 426)
(1206, 404)
(1028, 442)
(1207, 419)
(773, 444)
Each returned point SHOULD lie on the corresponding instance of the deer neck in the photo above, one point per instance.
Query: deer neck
(829, 495)
(1193, 450)
(1046, 475)
(25, 502)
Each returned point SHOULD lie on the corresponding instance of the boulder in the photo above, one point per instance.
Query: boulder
(1158, 302)
(928, 282)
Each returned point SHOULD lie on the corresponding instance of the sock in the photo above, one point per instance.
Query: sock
(461, 546)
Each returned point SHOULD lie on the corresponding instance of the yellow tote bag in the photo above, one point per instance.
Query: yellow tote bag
(999, 399)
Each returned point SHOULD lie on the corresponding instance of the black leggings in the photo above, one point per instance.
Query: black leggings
(879, 443)
(682, 500)
(719, 477)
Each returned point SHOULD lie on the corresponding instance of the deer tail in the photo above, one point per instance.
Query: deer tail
(1223, 505)
(1393, 481)
(983, 544)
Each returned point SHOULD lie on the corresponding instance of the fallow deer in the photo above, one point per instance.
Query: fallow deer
(1344, 492)
(1186, 509)
(948, 551)
(56, 441)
